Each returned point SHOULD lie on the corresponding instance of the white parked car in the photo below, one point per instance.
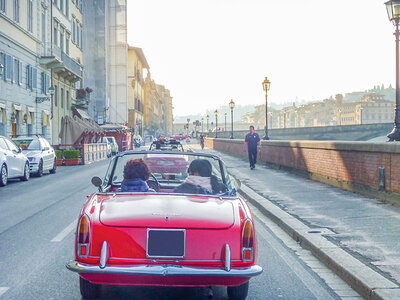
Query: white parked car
(13, 163)
(40, 153)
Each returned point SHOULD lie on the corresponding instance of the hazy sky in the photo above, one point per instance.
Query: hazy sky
(209, 51)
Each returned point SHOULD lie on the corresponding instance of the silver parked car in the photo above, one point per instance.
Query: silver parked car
(13, 163)
(40, 153)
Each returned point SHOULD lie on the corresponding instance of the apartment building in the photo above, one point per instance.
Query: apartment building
(25, 101)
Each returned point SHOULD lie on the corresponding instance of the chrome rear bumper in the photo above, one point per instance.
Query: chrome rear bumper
(164, 270)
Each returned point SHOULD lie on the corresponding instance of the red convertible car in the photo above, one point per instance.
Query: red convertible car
(164, 238)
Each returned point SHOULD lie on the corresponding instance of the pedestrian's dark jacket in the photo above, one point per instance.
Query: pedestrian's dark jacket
(252, 140)
(135, 185)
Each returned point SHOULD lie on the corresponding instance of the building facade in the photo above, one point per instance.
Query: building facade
(25, 31)
(106, 56)
(136, 85)
(65, 60)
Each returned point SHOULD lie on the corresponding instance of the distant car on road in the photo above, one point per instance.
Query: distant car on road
(40, 153)
(13, 163)
(112, 141)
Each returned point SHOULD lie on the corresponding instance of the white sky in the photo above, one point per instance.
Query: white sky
(209, 51)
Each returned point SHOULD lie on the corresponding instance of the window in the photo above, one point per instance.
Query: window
(55, 34)
(16, 10)
(62, 98)
(67, 37)
(30, 15)
(31, 77)
(3, 6)
(16, 69)
(67, 100)
(7, 61)
(44, 27)
(73, 31)
(62, 39)
(62, 5)
(55, 95)
(45, 81)
(77, 35)
(67, 8)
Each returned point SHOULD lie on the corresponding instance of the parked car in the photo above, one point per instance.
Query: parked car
(13, 163)
(40, 153)
(164, 238)
(164, 145)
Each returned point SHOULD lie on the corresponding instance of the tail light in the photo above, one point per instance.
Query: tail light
(247, 241)
(83, 237)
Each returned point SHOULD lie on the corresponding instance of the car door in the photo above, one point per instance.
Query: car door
(16, 160)
(47, 154)
(4, 152)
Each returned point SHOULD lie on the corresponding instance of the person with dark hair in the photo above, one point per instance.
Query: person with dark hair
(252, 141)
(200, 180)
(136, 173)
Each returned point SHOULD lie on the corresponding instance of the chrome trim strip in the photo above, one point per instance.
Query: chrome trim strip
(227, 258)
(165, 229)
(105, 254)
(164, 270)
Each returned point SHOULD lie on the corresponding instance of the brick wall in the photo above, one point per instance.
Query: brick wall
(350, 165)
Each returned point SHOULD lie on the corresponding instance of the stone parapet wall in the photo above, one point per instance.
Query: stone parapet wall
(350, 165)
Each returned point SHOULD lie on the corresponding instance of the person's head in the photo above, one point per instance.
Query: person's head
(251, 129)
(200, 167)
(136, 168)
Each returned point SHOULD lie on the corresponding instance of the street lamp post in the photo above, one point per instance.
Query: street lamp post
(232, 106)
(202, 125)
(216, 123)
(393, 10)
(361, 115)
(266, 86)
(208, 118)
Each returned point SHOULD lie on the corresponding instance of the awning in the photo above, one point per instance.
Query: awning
(45, 117)
(83, 114)
(2, 105)
(31, 109)
(17, 107)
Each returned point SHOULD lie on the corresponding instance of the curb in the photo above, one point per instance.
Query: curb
(369, 284)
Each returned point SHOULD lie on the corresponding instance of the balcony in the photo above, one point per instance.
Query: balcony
(62, 64)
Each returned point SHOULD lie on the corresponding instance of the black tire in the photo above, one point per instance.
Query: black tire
(53, 170)
(3, 175)
(39, 173)
(88, 289)
(238, 292)
(26, 173)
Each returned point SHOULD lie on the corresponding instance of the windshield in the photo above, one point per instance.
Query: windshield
(171, 171)
(28, 144)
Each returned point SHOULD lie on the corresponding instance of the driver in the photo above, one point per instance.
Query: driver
(201, 180)
(136, 173)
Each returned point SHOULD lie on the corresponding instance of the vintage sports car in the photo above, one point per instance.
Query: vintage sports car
(165, 238)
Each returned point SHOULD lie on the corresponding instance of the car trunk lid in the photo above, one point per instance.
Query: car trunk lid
(167, 211)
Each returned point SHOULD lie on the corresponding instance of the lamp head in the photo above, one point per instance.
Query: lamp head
(208, 117)
(232, 104)
(393, 10)
(267, 84)
(216, 113)
(52, 90)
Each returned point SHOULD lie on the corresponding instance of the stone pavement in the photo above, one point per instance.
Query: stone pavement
(366, 228)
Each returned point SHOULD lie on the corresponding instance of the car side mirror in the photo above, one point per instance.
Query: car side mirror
(96, 181)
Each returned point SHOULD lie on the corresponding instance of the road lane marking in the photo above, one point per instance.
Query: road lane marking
(59, 237)
(3, 290)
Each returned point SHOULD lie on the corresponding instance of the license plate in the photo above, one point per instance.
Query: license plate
(166, 243)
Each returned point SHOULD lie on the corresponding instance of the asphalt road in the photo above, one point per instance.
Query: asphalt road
(37, 220)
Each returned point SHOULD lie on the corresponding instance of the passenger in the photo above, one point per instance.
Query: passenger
(136, 173)
(200, 180)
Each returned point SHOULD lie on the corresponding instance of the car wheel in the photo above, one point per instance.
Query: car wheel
(40, 169)
(53, 170)
(26, 173)
(238, 292)
(3, 175)
(88, 289)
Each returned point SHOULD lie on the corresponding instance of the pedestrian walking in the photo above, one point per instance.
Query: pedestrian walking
(252, 142)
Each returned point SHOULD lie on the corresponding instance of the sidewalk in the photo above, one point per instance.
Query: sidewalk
(365, 228)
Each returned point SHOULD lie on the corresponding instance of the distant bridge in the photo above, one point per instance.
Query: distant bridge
(362, 132)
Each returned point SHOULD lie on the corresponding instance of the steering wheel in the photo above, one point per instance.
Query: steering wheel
(153, 183)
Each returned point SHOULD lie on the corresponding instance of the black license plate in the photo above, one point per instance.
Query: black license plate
(166, 243)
